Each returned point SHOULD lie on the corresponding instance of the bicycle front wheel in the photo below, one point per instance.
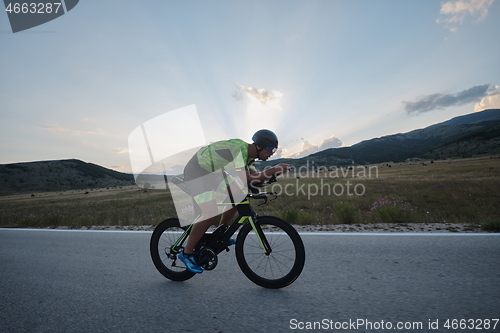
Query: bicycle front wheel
(165, 235)
(279, 268)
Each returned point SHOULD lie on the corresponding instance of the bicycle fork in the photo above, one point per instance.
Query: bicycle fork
(260, 236)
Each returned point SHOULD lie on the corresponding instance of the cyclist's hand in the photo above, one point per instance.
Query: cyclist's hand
(281, 168)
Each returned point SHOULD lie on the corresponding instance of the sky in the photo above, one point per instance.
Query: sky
(320, 74)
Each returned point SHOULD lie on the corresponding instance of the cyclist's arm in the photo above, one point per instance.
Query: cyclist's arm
(253, 175)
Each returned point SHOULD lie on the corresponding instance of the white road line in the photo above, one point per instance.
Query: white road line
(300, 233)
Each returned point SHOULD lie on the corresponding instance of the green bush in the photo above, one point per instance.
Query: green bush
(390, 210)
(296, 216)
(345, 212)
(491, 225)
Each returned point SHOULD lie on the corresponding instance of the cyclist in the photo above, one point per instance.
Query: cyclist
(203, 180)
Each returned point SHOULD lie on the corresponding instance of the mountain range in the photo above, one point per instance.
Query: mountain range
(463, 136)
(479, 129)
(58, 175)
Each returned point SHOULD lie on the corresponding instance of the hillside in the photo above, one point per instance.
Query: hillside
(399, 147)
(59, 175)
(472, 118)
(487, 142)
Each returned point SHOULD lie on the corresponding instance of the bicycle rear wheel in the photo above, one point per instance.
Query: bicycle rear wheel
(164, 237)
(285, 262)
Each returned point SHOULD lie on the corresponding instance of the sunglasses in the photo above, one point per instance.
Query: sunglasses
(270, 148)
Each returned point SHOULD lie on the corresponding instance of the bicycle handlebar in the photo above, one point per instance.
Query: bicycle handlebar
(263, 196)
(254, 187)
(256, 194)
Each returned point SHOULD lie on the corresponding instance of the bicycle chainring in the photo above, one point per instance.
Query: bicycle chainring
(207, 258)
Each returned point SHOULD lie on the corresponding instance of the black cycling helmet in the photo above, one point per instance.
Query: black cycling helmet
(265, 139)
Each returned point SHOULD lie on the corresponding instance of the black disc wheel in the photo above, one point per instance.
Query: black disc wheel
(282, 265)
(163, 253)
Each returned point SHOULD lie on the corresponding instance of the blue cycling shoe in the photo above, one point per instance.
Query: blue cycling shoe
(190, 262)
(231, 241)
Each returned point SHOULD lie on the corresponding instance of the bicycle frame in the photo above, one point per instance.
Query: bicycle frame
(245, 214)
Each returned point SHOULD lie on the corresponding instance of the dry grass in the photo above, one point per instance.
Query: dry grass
(127, 207)
(462, 191)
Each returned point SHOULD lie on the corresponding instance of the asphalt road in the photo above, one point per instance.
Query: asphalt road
(67, 281)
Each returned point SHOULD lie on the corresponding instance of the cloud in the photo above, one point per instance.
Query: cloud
(55, 129)
(120, 150)
(271, 99)
(332, 142)
(280, 153)
(307, 149)
(263, 105)
(310, 148)
(455, 12)
(490, 101)
(444, 100)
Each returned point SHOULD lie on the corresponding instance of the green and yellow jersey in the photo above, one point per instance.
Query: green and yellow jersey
(227, 154)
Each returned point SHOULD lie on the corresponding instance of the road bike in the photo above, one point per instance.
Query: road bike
(269, 251)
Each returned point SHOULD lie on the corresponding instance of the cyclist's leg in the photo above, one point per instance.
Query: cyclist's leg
(226, 219)
(228, 215)
(238, 193)
(209, 214)
(201, 186)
